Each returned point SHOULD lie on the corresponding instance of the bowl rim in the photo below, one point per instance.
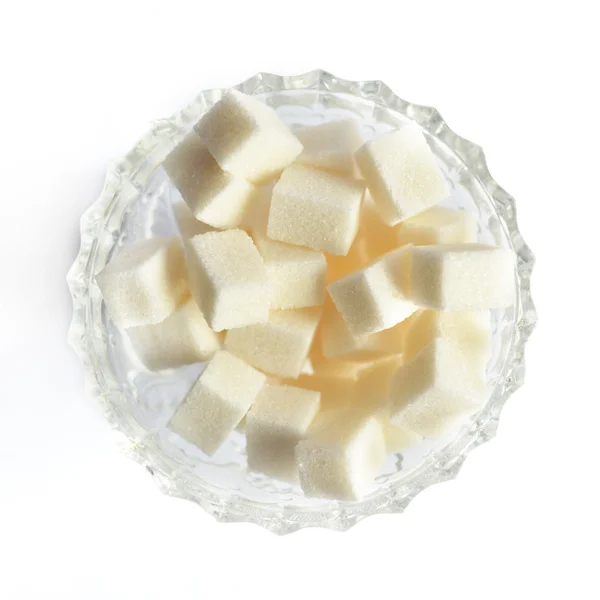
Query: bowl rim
(132, 439)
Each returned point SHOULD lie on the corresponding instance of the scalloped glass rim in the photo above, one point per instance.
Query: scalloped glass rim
(126, 177)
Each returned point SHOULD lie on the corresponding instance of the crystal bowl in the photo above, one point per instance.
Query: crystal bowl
(136, 203)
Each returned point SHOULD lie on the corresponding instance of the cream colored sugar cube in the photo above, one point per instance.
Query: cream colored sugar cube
(374, 238)
(307, 368)
(187, 223)
(217, 402)
(398, 439)
(402, 173)
(215, 197)
(257, 215)
(470, 331)
(437, 225)
(338, 341)
(357, 258)
(379, 237)
(315, 208)
(145, 283)
(373, 396)
(374, 381)
(376, 297)
(247, 138)
(330, 145)
(277, 421)
(183, 338)
(462, 277)
(228, 279)
(297, 276)
(341, 456)
(336, 389)
(279, 346)
(331, 366)
(438, 386)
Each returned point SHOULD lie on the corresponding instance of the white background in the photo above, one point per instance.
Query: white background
(82, 81)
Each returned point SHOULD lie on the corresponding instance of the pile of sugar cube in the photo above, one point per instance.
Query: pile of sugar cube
(343, 311)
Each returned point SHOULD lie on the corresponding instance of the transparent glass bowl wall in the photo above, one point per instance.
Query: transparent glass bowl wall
(136, 203)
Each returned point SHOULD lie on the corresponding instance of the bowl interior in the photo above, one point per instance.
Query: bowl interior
(142, 402)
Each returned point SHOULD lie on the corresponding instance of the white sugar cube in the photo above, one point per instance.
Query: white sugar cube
(341, 456)
(330, 145)
(228, 279)
(297, 275)
(187, 223)
(247, 138)
(145, 283)
(338, 341)
(402, 173)
(280, 345)
(277, 421)
(217, 402)
(438, 225)
(470, 331)
(436, 387)
(315, 208)
(462, 277)
(183, 338)
(376, 297)
(215, 197)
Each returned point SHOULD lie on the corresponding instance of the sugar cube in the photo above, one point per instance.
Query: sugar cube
(336, 389)
(257, 215)
(437, 225)
(374, 381)
(373, 396)
(277, 421)
(341, 456)
(187, 223)
(358, 257)
(307, 368)
(373, 239)
(215, 197)
(331, 366)
(247, 138)
(398, 439)
(315, 208)
(297, 276)
(217, 402)
(183, 338)
(376, 297)
(330, 145)
(338, 341)
(280, 345)
(228, 279)
(145, 283)
(462, 277)
(471, 331)
(402, 173)
(428, 393)
(379, 237)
